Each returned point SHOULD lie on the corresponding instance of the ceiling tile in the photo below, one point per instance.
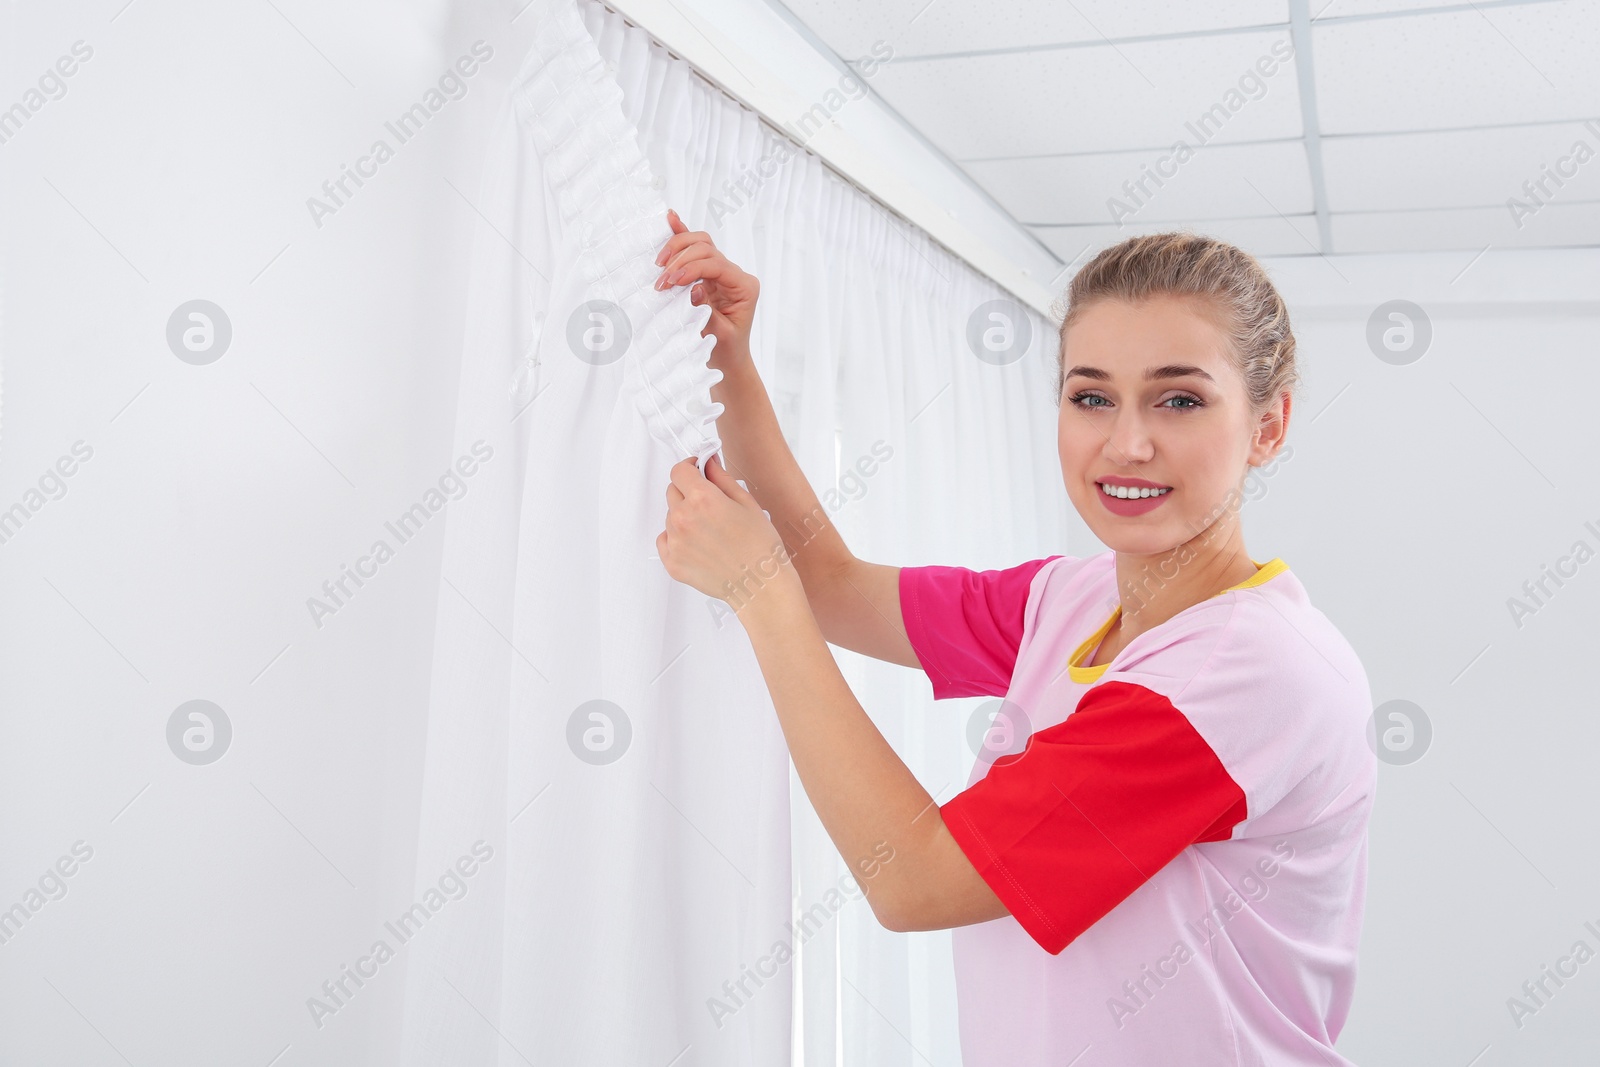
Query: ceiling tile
(1338, 9)
(1219, 181)
(918, 27)
(1446, 126)
(1102, 98)
(1527, 63)
(1289, 236)
(1471, 168)
(1554, 225)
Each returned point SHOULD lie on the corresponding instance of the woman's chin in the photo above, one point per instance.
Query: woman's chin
(1122, 536)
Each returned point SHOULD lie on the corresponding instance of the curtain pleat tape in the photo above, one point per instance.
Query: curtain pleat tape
(605, 194)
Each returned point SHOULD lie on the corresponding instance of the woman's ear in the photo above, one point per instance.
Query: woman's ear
(1271, 430)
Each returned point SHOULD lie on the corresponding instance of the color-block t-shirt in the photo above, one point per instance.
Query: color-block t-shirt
(1181, 843)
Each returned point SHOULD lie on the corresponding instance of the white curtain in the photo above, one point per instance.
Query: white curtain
(640, 903)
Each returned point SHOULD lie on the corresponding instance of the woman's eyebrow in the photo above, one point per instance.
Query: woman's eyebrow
(1171, 370)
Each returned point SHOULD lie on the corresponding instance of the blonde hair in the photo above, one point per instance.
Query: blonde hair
(1248, 307)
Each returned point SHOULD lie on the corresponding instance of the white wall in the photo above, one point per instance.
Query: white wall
(1418, 500)
(218, 499)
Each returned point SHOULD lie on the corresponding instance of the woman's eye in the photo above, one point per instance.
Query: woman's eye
(1189, 402)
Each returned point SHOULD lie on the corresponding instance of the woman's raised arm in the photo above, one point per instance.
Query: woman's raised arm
(856, 604)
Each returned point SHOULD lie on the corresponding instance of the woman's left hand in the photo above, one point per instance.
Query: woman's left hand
(718, 539)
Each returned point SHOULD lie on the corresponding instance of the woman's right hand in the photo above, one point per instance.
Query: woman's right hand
(689, 257)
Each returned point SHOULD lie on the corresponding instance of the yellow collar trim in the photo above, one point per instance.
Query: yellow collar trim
(1265, 572)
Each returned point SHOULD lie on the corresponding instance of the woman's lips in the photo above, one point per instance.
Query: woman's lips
(1130, 507)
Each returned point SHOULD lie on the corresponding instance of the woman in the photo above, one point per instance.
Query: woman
(1173, 870)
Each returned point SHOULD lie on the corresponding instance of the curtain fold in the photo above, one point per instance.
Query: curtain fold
(594, 726)
(660, 886)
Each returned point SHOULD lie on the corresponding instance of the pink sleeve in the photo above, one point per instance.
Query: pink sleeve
(966, 626)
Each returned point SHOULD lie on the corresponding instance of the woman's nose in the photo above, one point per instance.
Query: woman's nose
(1128, 439)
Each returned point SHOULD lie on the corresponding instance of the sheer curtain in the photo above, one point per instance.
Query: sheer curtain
(595, 740)
(659, 885)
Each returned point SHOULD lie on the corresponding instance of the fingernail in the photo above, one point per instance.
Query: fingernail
(661, 257)
(672, 279)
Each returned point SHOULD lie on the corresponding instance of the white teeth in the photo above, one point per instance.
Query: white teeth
(1122, 492)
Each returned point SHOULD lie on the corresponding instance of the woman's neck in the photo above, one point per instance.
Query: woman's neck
(1154, 588)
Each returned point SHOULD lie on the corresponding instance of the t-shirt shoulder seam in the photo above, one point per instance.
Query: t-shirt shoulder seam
(1032, 605)
(1222, 636)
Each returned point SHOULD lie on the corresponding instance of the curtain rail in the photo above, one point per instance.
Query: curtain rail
(1032, 293)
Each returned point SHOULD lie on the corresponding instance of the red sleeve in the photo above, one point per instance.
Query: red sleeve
(966, 626)
(1091, 809)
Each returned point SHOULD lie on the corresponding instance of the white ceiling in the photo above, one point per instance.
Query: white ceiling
(1408, 126)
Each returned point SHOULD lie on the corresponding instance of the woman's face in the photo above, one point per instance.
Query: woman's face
(1150, 398)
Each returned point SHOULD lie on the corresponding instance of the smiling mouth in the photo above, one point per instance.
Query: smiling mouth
(1129, 492)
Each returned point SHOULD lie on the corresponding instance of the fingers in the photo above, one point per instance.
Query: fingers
(686, 476)
(719, 476)
(679, 241)
(689, 267)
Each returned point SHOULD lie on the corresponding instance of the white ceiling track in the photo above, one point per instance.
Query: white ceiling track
(995, 246)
